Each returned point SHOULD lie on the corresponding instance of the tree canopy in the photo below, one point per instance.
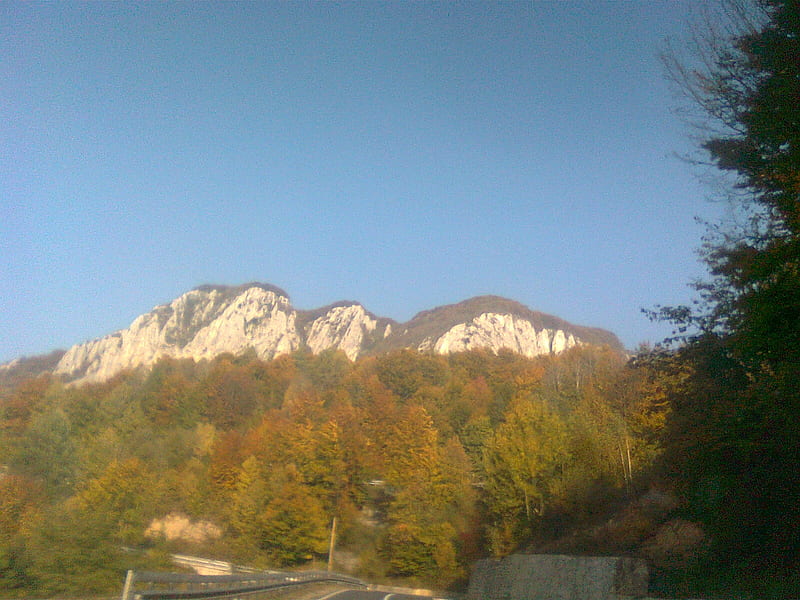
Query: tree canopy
(414, 454)
(732, 439)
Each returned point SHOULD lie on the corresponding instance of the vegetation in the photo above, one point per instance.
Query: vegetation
(686, 455)
(733, 446)
(426, 461)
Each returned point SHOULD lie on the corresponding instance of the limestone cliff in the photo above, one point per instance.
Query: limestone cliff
(344, 327)
(494, 323)
(200, 324)
(212, 320)
(493, 330)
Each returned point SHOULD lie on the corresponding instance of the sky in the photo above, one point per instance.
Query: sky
(404, 155)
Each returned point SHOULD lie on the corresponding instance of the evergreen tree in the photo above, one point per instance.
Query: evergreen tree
(732, 437)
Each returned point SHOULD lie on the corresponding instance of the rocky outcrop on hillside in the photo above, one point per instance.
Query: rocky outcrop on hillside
(347, 328)
(494, 323)
(212, 320)
(200, 324)
(490, 330)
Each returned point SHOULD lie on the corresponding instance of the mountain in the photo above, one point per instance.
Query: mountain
(214, 319)
(493, 322)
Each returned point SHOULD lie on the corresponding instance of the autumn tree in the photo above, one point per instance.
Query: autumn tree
(523, 461)
(229, 393)
(275, 514)
(19, 405)
(126, 495)
(428, 518)
(294, 523)
(164, 394)
(404, 372)
(18, 508)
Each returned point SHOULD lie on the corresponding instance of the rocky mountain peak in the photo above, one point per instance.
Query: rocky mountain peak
(213, 319)
(199, 324)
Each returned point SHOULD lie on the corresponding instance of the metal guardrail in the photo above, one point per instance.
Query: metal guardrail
(208, 566)
(144, 585)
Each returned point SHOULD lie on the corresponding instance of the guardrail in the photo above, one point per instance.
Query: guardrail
(145, 585)
(207, 566)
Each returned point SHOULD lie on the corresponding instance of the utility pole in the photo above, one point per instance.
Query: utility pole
(330, 548)
(126, 591)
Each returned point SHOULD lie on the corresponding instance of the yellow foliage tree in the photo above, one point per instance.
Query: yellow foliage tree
(522, 461)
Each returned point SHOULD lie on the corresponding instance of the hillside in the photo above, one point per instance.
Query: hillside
(424, 459)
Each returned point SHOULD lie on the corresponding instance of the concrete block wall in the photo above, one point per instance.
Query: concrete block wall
(558, 577)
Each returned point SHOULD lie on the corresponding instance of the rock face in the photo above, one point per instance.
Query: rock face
(200, 324)
(547, 577)
(492, 330)
(344, 327)
(494, 323)
(177, 526)
(212, 320)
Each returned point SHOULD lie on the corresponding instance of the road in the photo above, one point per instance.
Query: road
(361, 595)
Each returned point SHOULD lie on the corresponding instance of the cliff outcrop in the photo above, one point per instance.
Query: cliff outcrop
(212, 320)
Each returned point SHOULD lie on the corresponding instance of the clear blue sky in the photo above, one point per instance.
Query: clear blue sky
(405, 155)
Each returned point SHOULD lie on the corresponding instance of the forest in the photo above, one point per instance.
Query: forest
(427, 462)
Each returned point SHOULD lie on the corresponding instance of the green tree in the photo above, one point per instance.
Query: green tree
(70, 551)
(47, 452)
(523, 461)
(732, 437)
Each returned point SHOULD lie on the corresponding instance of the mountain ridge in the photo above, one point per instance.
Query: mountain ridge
(210, 319)
(470, 308)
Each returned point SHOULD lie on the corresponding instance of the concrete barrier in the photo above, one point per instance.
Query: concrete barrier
(558, 577)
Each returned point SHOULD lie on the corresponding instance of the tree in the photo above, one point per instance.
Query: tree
(47, 453)
(125, 497)
(164, 393)
(18, 506)
(406, 371)
(231, 394)
(18, 408)
(426, 552)
(522, 463)
(732, 437)
(70, 551)
(278, 515)
(428, 517)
